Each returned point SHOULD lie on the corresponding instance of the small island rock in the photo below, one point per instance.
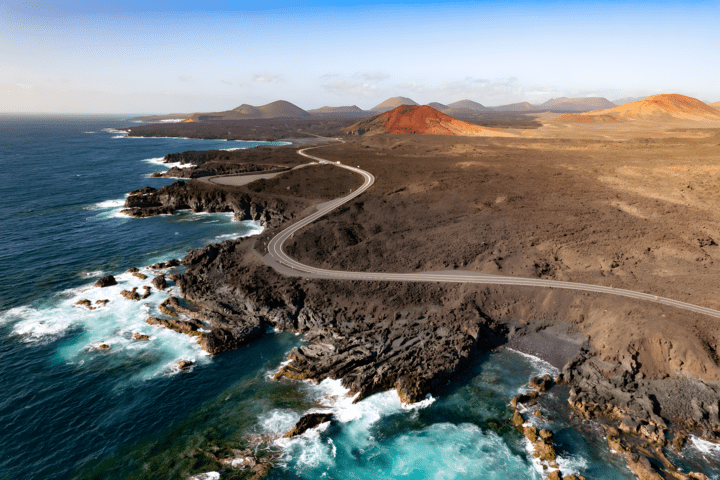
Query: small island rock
(106, 281)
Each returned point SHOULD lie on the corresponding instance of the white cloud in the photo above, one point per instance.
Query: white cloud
(412, 86)
(346, 88)
(267, 77)
(24, 87)
(372, 77)
(477, 80)
(486, 92)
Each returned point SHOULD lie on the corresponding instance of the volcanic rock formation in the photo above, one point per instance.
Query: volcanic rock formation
(437, 106)
(423, 120)
(470, 105)
(516, 107)
(656, 108)
(392, 103)
(585, 104)
(345, 109)
(278, 109)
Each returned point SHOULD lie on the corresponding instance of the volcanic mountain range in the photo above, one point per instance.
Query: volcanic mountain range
(466, 108)
(656, 108)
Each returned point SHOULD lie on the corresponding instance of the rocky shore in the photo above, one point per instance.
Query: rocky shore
(377, 336)
(197, 197)
(627, 363)
(206, 163)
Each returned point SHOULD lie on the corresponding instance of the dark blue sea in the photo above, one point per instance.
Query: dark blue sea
(69, 410)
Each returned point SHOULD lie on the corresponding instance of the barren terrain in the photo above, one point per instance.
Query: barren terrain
(626, 207)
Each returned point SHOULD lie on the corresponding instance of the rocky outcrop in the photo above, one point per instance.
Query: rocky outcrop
(412, 351)
(85, 303)
(163, 265)
(188, 327)
(159, 282)
(131, 294)
(642, 416)
(308, 421)
(212, 169)
(183, 196)
(215, 333)
(541, 440)
(642, 405)
(184, 364)
(106, 281)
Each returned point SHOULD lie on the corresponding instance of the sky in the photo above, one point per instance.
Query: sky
(189, 56)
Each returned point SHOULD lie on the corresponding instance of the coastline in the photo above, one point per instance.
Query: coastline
(515, 313)
(556, 344)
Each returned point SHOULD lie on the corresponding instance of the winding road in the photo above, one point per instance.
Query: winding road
(279, 260)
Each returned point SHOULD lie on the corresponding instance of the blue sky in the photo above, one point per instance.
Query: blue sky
(145, 56)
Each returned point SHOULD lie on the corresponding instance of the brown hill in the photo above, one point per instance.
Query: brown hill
(422, 120)
(584, 104)
(715, 104)
(345, 109)
(516, 107)
(623, 101)
(437, 106)
(470, 105)
(657, 108)
(392, 103)
(278, 109)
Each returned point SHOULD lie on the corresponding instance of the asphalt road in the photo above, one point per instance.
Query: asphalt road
(277, 258)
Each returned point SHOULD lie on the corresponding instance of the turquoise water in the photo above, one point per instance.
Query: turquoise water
(71, 411)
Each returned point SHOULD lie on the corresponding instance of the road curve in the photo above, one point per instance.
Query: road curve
(275, 251)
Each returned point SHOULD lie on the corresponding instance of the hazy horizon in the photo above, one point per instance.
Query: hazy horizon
(163, 57)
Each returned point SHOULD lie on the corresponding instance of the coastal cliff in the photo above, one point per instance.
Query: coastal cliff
(181, 195)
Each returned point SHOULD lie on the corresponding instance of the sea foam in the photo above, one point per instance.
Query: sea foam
(705, 448)
(311, 449)
(160, 161)
(112, 324)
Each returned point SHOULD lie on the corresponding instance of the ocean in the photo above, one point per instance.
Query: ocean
(72, 411)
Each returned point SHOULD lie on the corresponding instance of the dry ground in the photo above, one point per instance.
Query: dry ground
(637, 211)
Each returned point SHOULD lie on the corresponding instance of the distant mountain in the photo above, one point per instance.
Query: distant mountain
(584, 104)
(461, 112)
(350, 109)
(392, 103)
(716, 105)
(623, 101)
(515, 107)
(437, 106)
(278, 109)
(470, 105)
(421, 120)
(656, 108)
